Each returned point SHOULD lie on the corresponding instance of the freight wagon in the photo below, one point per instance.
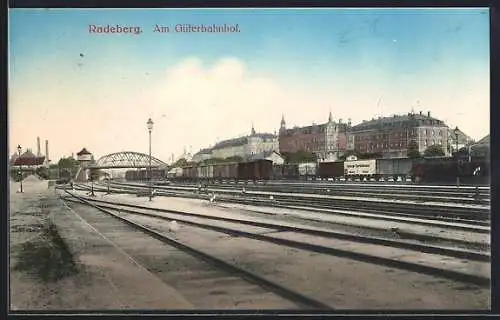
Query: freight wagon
(360, 169)
(255, 170)
(333, 170)
(175, 173)
(225, 171)
(393, 168)
(307, 170)
(448, 169)
(285, 172)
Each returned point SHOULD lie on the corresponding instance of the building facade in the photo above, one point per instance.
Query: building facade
(244, 147)
(327, 141)
(391, 136)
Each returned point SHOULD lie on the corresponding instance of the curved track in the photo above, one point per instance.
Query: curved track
(217, 269)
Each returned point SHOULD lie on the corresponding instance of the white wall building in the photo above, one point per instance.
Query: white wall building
(244, 147)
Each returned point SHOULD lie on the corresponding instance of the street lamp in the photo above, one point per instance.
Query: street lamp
(20, 167)
(456, 131)
(150, 128)
(92, 184)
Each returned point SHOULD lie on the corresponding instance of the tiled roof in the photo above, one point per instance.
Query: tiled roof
(29, 161)
(264, 135)
(399, 120)
(316, 128)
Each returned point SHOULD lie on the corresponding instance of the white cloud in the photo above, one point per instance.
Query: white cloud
(205, 103)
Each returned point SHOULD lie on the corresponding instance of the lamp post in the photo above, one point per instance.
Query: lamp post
(456, 131)
(20, 167)
(150, 128)
(92, 184)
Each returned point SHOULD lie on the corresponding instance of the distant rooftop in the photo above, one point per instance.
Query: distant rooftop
(410, 119)
(82, 152)
(29, 161)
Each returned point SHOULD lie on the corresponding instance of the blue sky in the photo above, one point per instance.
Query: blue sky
(359, 63)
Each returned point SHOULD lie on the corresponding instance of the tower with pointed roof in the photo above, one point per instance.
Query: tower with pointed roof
(282, 124)
(331, 137)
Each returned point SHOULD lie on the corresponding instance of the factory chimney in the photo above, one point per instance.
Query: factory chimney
(38, 152)
(47, 150)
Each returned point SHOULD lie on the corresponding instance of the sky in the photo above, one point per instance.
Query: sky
(81, 89)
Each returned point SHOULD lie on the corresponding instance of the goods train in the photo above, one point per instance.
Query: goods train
(419, 170)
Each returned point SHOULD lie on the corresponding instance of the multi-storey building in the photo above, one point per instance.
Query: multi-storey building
(391, 136)
(246, 147)
(326, 141)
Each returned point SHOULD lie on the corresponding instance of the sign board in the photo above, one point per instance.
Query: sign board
(360, 167)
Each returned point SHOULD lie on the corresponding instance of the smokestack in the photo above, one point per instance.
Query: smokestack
(38, 152)
(47, 150)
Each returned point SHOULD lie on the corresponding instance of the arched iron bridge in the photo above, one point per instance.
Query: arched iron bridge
(127, 159)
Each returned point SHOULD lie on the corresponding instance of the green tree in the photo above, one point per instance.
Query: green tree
(300, 157)
(434, 151)
(413, 150)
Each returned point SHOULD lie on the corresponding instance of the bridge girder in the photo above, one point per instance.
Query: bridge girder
(127, 159)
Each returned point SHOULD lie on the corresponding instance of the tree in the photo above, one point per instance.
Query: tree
(434, 151)
(234, 159)
(180, 163)
(369, 155)
(300, 157)
(413, 150)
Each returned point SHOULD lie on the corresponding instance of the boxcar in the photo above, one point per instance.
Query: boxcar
(205, 172)
(291, 171)
(307, 169)
(189, 173)
(277, 172)
(397, 167)
(255, 170)
(225, 171)
(333, 170)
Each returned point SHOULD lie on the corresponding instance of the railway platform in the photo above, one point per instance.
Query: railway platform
(58, 262)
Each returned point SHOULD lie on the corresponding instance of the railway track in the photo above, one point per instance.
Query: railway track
(454, 264)
(479, 215)
(206, 281)
(465, 195)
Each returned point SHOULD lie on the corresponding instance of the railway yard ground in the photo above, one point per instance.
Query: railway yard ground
(118, 250)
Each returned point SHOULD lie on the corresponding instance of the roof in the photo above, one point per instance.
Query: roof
(204, 151)
(82, 152)
(29, 161)
(409, 119)
(231, 143)
(315, 128)
(264, 135)
(262, 155)
(485, 140)
(462, 137)
(28, 154)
